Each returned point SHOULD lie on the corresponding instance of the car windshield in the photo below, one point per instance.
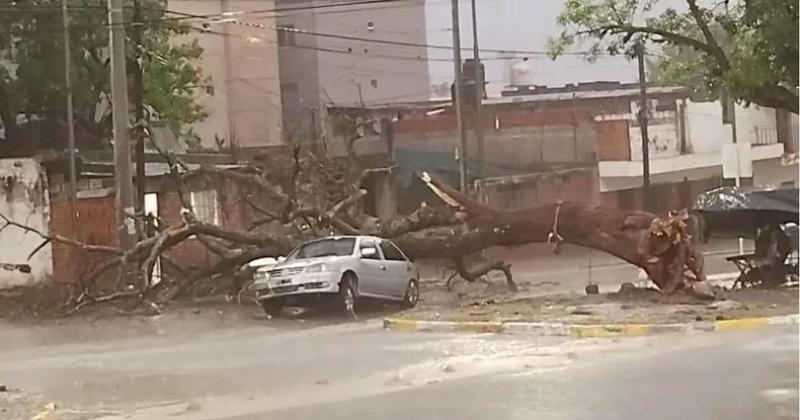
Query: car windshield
(338, 247)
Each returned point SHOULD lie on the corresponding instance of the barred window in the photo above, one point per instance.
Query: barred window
(205, 206)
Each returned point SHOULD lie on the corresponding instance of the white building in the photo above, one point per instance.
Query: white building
(686, 144)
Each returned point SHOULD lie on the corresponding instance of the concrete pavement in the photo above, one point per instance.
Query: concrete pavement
(740, 376)
(256, 369)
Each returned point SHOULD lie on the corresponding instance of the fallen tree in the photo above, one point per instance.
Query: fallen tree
(306, 196)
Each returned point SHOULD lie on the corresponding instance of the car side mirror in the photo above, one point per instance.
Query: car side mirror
(368, 252)
(281, 259)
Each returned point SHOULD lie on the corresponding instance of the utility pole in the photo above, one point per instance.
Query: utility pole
(462, 148)
(73, 194)
(643, 111)
(138, 103)
(119, 107)
(729, 117)
(478, 89)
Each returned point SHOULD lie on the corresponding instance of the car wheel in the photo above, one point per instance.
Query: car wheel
(272, 307)
(347, 296)
(412, 294)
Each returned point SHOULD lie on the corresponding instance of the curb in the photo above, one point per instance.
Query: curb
(579, 330)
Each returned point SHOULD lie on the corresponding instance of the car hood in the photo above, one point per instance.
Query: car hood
(303, 263)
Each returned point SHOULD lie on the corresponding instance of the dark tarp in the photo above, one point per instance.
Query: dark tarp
(739, 211)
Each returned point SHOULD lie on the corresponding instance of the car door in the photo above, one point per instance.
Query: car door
(398, 270)
(371, 269)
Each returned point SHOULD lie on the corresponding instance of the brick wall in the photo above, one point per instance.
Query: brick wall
(95, 225)
(613, 142)
(530, 190)
(192, 254)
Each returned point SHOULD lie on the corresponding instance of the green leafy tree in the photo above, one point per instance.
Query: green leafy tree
(749, 48)
(32, 86)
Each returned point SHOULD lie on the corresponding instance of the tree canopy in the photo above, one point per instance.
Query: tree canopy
(32, 85)
(748, 48)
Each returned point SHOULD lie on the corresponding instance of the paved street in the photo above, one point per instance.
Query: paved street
(256, 369)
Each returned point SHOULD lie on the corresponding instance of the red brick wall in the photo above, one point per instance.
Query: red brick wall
(192, 254)
(519, 115)
(96, 225)
(613, 140)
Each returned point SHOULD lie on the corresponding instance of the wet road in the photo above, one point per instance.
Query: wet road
(197, 369)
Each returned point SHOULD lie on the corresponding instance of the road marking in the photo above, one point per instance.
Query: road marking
(741, 324)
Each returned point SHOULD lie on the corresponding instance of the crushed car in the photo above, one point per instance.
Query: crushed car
(338, 270)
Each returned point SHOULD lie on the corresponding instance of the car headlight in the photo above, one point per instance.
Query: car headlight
(316, 268)
(260, 275)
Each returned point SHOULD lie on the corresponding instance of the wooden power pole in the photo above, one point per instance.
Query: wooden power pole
(138, 103)
(126, 227)
(643, 112)
(457, 99)
(478, 75)
(73, 193)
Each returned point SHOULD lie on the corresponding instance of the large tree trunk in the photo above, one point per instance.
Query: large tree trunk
(660, 246)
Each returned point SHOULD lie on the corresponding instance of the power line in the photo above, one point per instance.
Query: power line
(349, 52)
(384, 41)
(188, 16)
(230, 17)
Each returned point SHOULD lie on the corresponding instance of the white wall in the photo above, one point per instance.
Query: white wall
(24, 199)
(663, 140)
(706, 133)
(774, 172)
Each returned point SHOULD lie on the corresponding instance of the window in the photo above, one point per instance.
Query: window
(323, 248)
(369, 243)
(205, 206)
(374, 83)
(286, 36)
(390, 252)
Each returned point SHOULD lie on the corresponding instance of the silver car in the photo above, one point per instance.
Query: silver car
(339, 269)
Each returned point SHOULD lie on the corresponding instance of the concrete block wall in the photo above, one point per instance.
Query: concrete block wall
(516, 192)
(24, 199)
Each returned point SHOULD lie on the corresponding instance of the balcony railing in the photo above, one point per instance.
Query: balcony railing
(765, 135)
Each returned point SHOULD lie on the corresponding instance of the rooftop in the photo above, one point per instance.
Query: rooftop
(535, 94)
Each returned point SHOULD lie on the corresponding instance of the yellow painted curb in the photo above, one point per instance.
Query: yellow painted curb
(609, 330)
(741, 324)
(583, 331)
(401, 325)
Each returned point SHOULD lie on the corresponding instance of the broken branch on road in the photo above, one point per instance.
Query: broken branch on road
(306, 196)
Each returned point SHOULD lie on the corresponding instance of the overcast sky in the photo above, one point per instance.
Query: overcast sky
(521, 25)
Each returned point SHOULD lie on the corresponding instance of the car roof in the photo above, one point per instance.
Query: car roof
(342, 237)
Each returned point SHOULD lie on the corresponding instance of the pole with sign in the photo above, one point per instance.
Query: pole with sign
(737, 158)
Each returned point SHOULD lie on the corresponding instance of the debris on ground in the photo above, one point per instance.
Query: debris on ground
(626, 288)
(727, 305)
(704, 290)
(16, 405)
(636, 305)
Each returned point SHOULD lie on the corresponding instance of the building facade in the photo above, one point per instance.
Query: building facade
(328, 57)
(583, 143)
(242, 97)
